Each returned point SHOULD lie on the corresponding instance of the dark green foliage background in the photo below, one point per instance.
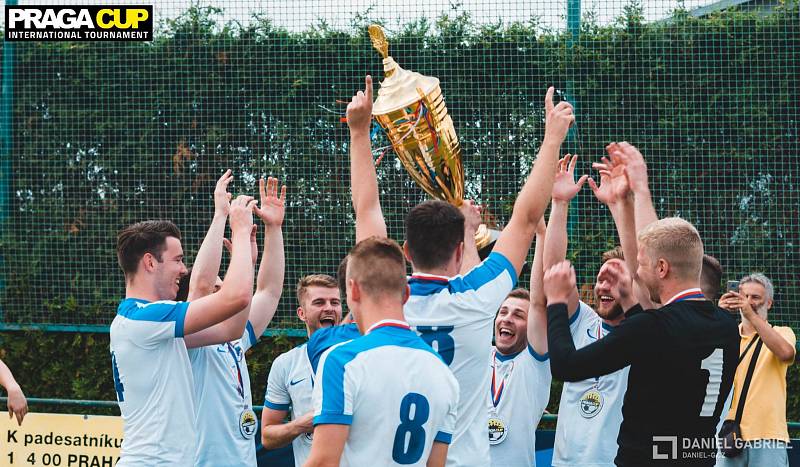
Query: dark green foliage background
(106, 134)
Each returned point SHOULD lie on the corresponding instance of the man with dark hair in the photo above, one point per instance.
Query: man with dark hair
(152, 374)
(289, 383)
(711, 277)
(452, 312)
(414, 398)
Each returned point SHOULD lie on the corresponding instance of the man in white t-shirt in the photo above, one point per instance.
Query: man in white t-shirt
(152, 374)
(385, 398)
(289, 384)
(226, 422)
(520, 384)
(453, 295)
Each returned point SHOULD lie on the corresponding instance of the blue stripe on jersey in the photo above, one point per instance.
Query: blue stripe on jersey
(492, 267)
(339, 357)
(252, 332)
(333, 419)
(575, 315)
(325, 338)
(443, 437)
(162, 311)
(541, 358)
(276, 406)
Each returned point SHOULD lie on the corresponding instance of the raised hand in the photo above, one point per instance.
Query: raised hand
(241, 215)
(558, 118)
(359, 110)
(614, 186)
(635, 166)
(559, 282)
(564, 186)
(472, 216)
(222, 199)
(273, 208)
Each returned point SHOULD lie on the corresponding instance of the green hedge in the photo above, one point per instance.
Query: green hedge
(78, 366)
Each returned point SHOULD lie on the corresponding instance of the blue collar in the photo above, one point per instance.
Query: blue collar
(505, 358)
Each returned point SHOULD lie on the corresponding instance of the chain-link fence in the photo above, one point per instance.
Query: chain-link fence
(107, 133)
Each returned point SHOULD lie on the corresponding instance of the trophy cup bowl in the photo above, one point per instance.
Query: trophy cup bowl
(410, 108)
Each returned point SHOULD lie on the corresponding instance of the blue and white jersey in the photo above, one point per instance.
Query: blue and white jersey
(590, 411)
(289, 388)
(325, 338)
(520, 389)
(456, 317)
(153, 382)
(393, 390)
(226, 423)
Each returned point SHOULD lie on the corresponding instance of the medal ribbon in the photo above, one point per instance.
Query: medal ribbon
(240, 387)
(497, 391)
(687, 294)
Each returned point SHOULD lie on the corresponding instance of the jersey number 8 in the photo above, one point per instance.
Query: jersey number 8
(409, 439)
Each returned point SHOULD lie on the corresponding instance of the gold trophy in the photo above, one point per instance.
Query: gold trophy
(411, 109)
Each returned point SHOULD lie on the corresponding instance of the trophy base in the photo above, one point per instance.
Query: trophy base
(485, 238)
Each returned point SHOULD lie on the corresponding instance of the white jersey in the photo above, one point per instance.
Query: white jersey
(455, 316)
(289, 388)
(590, 412)
(153, 382)
(226, 423)
(521, 389)
(394, 392)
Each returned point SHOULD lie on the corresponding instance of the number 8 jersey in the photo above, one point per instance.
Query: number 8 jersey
(395, 393)
(455, 316)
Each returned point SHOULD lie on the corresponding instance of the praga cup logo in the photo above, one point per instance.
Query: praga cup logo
(79, 23)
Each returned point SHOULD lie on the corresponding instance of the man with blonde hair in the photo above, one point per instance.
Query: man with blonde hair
(289, 383)
(682, 356)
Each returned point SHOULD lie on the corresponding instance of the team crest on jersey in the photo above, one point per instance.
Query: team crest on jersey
(497, 431)
(248, 423)
(591, 403)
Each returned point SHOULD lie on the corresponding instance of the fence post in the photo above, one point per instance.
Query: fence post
(6, 109)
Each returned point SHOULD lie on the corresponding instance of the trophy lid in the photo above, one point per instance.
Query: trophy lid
(399, 88)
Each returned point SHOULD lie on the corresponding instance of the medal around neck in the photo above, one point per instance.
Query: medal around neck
(410, 108)
(591, 403)
(497, 430)
(248, 424)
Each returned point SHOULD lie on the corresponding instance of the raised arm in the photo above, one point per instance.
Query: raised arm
(614, 191)
(516, 238)
(363, 178)
(564, 190)
(537, 313)
(269, 282)
(472, 220)
(237, 288)
(17, 404)
(636, 172)
(206, 265)
(231, 328)
(774, 341)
